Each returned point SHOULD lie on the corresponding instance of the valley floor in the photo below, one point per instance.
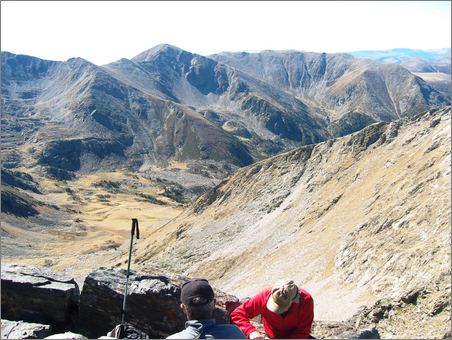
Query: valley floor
(91, 225)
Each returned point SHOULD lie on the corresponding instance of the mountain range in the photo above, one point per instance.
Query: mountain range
(223, 111)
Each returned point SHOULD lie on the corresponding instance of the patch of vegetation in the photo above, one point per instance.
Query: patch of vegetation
(110, 185)
(103, 198)
(152, 199)
(176, 193)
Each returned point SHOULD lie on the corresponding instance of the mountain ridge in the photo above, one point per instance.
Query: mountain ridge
(168, 104)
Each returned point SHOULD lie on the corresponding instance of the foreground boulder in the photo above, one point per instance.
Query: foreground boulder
(23, 330)
(152, 304)
(66, 335)
(39, 295)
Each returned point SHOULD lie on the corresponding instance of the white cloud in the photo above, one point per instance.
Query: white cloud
(106, 31)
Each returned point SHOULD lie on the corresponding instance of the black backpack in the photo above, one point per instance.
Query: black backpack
(127, 331)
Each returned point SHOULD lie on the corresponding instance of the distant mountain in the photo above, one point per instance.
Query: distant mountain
(169, 104)
(399, 55)
(340, 83)
(235, 98)
(434, 66)
(73, 111)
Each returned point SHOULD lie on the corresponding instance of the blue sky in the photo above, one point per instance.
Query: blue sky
(105, 31)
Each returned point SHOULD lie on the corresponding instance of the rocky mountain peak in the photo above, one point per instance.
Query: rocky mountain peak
(165, 50)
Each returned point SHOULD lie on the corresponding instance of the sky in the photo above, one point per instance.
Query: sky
(105, 31)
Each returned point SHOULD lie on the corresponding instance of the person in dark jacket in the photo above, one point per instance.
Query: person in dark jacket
(287, 312)
(198, 303)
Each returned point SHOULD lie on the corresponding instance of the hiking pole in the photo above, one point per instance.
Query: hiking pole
(134, 225)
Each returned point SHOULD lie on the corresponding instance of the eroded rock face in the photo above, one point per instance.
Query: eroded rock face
(24, 330)
(39, 295)
(153, 304)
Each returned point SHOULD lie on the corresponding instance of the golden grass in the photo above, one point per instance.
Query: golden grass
(106, 219)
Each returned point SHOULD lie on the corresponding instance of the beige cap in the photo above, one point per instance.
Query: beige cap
(284, 292)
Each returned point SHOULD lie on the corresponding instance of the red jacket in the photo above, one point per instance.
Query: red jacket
(294, 324)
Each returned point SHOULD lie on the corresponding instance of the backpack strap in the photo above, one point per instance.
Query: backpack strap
(205, 332)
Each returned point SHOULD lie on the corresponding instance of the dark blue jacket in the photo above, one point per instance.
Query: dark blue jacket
(208, 329)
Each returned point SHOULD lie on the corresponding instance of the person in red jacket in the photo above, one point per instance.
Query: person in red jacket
(287, 312)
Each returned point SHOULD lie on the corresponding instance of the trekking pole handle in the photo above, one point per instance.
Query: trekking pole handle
(135, 226)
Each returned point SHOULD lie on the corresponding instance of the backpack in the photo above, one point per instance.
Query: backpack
(127, 331)
(199, 333)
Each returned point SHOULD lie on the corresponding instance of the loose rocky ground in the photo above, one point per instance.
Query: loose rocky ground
(354, 220)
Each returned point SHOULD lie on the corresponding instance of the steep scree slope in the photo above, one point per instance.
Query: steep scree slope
(355, 219)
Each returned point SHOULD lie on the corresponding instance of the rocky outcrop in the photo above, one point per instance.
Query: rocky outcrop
(24, 330)
(66, 335)
(20, 180)
(39, 295)
(153, 304)
(67, 154)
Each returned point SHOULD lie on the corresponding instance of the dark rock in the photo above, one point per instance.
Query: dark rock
(39, 295)
(20, 180)
(24, 330)
(152, 199)
(366, 334)
(66, 154)
(63, 154)
(107, 184)
(59, 174)
(412, 296)
(207, 76)
(153, 304)
(349, 123)
(175, 192)
(435, 122)
(365, 138)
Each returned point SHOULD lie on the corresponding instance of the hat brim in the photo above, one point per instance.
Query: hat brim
(275, 308)
(278, 309)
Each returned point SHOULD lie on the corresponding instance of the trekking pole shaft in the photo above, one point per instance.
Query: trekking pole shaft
(123, 313)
